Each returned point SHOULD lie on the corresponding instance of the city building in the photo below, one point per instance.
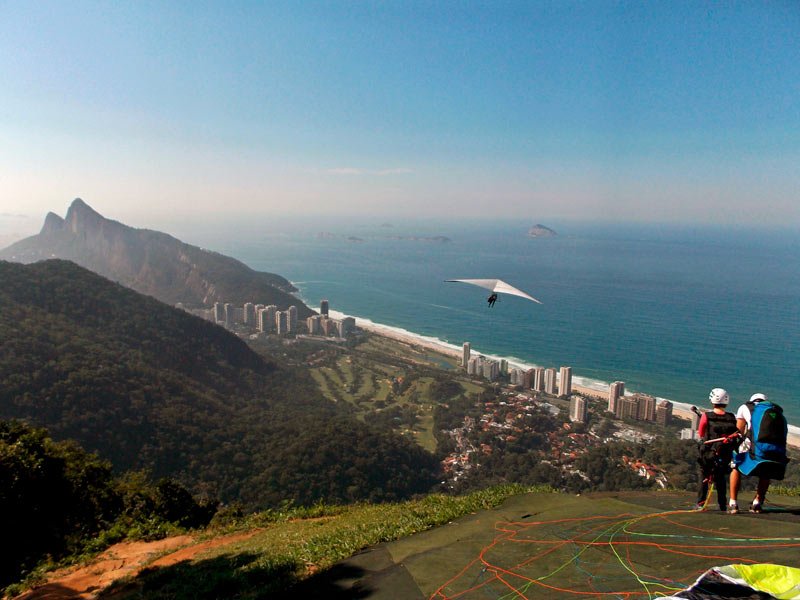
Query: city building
(695, 421)
(323, 308)
(282, 322)
(647, 407)
(550, 381)
(229, 318)
(313, 325)
(491, 370)
(615, 391)
(578, 409)
(628, 407)
(664, 412)
(538, 379)
(219, 312)
(565, 382)
(348, 326)
(503, 366)
(249, 314)
(291, 319)
(527, 382)
(466, 349)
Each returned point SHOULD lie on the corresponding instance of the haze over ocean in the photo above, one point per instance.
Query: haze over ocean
(671, 310)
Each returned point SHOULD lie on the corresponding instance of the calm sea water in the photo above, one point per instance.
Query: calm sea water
(672, 311)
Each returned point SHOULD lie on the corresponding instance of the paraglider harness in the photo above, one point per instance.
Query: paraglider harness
(767, 433)
(716, 451)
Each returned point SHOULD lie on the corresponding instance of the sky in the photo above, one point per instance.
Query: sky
(633, 111)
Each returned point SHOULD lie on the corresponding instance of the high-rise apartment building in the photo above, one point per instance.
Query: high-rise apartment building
(628, 407)
(348, 326)
(291, 319)
(527, 382)
(565, 382)
(282, 322)
(219, 312)
(228, 312)
(647, 408)
(578, 409)
(538, 379)
(313, 324)
(323, 308)
(550, 381)
(466, 349)
(249, 314)
(664, 412)
(615, 391)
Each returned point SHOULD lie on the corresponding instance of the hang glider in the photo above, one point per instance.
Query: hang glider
(496, 286)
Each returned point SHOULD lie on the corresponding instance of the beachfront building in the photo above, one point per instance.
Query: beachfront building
(627, 408)
(466, 349)
(565, 382)
(578, 409)
(615, 391)
(219, 313)
(538, 379)
(646, 407)
(323, 308)
(527, 383)
(664, 413)
(313, 324)
(550, 381)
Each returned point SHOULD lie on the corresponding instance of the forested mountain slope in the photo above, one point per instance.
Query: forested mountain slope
(149, 386)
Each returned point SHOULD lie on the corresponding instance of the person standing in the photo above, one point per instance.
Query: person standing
(763, 453)
(716, 451)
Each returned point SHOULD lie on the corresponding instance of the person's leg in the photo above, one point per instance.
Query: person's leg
(761, 490)
(721, 482)
(702, 487)
(736, 479)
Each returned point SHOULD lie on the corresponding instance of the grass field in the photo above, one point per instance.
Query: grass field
(380, 374)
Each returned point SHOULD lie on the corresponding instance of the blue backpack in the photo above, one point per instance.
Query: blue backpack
(768, 431)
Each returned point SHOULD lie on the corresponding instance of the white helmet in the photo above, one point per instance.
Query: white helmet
(719, 396)
(758, 397)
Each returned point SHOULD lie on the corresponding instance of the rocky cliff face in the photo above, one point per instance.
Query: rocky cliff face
(151, 262)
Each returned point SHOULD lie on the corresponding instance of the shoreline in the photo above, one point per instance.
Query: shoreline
(585, 385)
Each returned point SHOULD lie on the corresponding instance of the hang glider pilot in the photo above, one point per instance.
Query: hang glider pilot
(491, 300)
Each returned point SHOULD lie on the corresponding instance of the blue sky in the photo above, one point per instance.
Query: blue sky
(657, 111)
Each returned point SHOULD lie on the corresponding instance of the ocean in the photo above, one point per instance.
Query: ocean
(672, 311)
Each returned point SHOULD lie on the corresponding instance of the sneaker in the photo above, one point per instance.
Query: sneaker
(733, 509)
(756, 508)
(699, 506)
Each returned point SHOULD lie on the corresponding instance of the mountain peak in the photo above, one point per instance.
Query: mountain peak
(52, 223)
(81, 216)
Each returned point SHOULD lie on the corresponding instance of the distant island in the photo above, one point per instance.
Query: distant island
(540, 230)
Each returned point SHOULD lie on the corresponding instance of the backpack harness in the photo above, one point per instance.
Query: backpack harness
(767, 433)
(720, 435)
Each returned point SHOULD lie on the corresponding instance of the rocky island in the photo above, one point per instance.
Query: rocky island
(539, 230)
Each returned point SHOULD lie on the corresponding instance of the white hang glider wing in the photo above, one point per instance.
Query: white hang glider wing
(495, 285)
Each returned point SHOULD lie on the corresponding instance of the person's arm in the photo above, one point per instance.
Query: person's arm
(702, 426)
(741, 425)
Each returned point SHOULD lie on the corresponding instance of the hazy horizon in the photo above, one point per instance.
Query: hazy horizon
(544, 112)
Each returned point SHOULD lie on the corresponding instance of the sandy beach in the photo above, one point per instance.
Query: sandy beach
(581, 385)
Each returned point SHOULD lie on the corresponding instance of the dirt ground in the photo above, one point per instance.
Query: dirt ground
(125, 559)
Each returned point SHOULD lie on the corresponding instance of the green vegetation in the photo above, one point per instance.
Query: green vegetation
(297, 542)
(150, 387)
(55, 498)
(391, 385)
